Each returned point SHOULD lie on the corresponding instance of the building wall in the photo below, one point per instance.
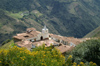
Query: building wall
(45, 35)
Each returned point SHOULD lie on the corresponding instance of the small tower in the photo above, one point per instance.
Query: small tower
(44, 34)
(45, 30)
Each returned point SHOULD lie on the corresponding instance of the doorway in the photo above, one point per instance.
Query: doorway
(41, 38)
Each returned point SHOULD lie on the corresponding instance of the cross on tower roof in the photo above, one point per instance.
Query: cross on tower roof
(45, 27)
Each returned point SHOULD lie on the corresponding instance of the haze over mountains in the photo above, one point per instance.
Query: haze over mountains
(65, 17)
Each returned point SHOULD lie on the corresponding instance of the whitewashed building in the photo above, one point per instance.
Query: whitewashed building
(41, 36)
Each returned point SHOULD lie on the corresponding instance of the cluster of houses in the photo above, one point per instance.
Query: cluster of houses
(33, 38)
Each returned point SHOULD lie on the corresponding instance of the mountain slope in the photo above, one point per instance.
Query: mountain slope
(66, 17)
(94, 33)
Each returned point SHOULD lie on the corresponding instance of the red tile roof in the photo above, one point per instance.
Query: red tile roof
(46, 42)
(26, 44)
(67, 39)
(23, 36)
(65, 48)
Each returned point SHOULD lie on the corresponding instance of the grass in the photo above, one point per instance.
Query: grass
(7, 45)
(15, 15)
(97, 34)
(72, 7)
(36, 13)
(94, 33)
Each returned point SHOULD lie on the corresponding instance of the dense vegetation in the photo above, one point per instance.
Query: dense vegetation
(41, 56)
(66, 17)
(87, 51)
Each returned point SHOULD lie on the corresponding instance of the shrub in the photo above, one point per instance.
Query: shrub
(38, 57)
(21, 56)
(87, 51)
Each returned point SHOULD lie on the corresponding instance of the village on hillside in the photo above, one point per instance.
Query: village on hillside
(33, 38)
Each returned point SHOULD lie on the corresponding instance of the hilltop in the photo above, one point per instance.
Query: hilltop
(68, 18)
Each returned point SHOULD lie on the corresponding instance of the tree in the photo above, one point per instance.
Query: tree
(87, 51)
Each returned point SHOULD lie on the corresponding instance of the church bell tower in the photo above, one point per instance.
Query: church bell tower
(45, 34)
(45, 30)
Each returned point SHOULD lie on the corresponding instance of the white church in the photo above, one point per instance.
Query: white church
(32, 34)
(43, 35)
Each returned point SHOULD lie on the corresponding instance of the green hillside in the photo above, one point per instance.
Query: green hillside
(66, 17)
(7, 45)
(94, 33)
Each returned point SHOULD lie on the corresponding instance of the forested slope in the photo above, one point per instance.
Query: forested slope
(66, 17)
